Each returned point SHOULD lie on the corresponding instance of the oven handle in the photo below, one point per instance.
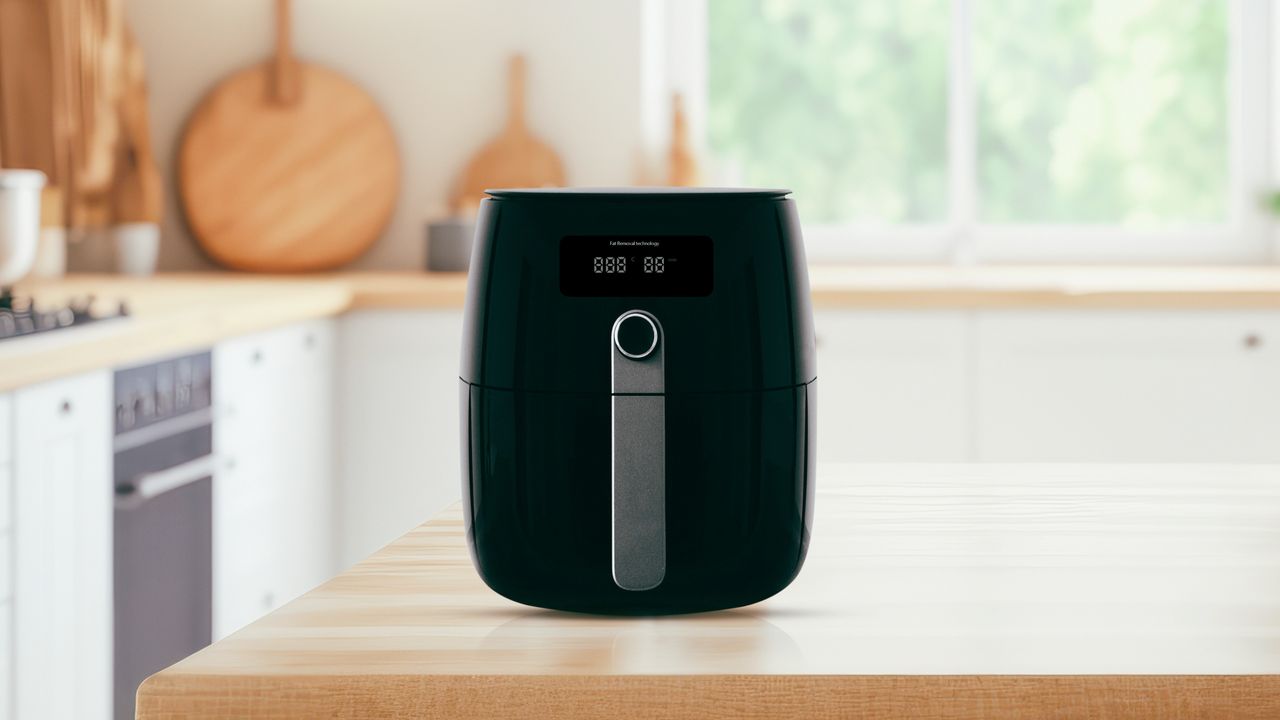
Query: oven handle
(149, 485)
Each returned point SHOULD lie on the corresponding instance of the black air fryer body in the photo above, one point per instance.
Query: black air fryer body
(638, 383)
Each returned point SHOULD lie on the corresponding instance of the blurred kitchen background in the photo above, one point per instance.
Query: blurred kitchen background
(1038, 231)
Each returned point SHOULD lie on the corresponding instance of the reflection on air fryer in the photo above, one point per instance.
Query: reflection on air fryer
(733, 641)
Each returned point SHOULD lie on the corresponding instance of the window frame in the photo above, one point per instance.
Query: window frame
(675, 60)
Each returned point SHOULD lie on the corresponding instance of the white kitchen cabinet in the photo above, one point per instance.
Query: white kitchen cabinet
(893, 386)
(6, 471)
(6, 497)
(1149, 386)
(6, 627)
(6, 567)
(398, 391)
(307, 393)
(6, 559)
(6, 659)
(273, 490)
(6, 430)
(63, 505)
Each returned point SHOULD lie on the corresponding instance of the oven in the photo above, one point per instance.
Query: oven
(163, 474)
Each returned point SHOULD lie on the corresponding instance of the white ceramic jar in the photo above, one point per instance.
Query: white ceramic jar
(137, 248)
(19, 222)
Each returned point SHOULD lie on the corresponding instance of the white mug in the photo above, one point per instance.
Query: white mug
(19, 222)
(137, 247)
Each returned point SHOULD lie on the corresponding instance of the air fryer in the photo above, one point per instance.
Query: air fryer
(637, 396)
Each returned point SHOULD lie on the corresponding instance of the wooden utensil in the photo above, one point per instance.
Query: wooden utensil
(26, 76)
(682, 165)
(60, 79)
(513, 159)
(137, 193)
(287, 166)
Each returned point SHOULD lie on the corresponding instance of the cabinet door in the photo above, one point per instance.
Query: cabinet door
(6, 429)
(62, 535)
(273, 512)
(893, 386)
(399, 426)
(246, 552)
(1152, 386)
(6, 659)
(304, 460)
(245, 485)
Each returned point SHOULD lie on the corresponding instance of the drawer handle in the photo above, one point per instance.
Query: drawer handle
(65, 408)
(1252, 341)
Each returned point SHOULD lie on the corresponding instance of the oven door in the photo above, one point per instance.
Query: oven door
(163, 557)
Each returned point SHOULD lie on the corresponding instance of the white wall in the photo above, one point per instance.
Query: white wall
(436, 67)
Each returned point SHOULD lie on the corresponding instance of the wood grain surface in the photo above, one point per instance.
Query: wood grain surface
(287, 167)
(975, 591)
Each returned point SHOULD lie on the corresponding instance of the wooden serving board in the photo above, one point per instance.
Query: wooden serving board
(287, 166)
(515, 158)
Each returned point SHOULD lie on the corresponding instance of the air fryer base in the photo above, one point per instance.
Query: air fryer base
(537, 497)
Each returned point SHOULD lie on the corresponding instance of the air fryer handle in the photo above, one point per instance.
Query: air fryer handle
(639, 542)
(639, 491)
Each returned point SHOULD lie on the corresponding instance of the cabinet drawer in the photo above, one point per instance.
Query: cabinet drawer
(6, 429)
(1149, 386)
(893, 386)
(6, 497)
(6, 660)
(6, 566)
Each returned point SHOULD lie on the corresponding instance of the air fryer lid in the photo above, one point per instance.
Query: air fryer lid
(720, 270)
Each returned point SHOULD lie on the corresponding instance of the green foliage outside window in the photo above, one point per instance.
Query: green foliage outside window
(1112, 111)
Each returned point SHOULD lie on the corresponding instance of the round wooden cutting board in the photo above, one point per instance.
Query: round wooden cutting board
(287, 166)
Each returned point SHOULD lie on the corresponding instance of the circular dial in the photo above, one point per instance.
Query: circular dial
(635, 335)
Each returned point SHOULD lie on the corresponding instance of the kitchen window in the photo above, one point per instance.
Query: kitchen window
(994, 131)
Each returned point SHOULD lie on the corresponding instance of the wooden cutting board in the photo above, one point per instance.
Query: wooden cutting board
(515, 158)
(287, 166)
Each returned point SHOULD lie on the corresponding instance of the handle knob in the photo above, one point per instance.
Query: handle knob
(635, 335)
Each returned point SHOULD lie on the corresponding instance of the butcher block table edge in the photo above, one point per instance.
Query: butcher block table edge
(334, 653)
(957, 697)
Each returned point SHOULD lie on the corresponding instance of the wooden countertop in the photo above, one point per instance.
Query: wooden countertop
(175, 313)
(993, 286)
(965, 592)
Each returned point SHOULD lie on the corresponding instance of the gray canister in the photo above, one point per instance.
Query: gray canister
(449, 244)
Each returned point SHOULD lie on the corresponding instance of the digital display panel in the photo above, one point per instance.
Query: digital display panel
(636, 266)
